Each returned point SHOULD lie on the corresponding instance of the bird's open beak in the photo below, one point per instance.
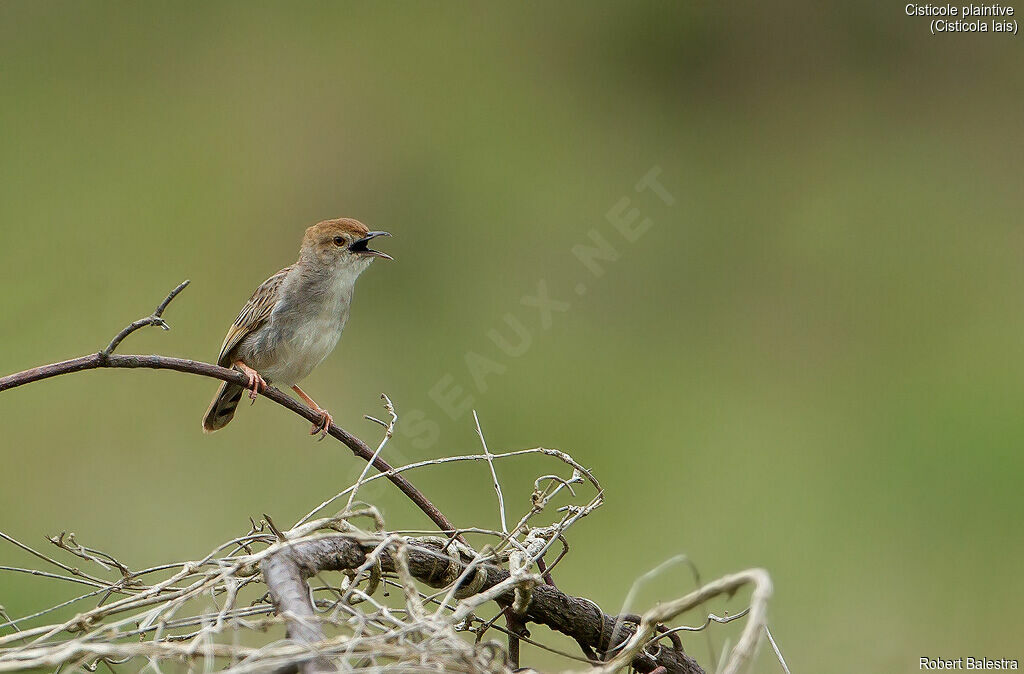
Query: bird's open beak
(360, 247)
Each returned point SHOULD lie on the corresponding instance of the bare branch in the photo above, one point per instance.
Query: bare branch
(108, 359)
(286, 570)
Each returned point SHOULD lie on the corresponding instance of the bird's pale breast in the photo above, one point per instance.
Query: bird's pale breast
(303, 329)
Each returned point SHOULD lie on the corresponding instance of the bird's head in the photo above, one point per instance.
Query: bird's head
(342, 242)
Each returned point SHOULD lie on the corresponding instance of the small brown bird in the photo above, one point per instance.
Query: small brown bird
(295, 318)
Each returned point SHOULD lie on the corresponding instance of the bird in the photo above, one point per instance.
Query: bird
(295, 318)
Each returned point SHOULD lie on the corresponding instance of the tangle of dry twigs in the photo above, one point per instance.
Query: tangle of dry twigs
(339, 591)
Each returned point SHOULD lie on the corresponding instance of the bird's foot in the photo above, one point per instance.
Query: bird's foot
(256, 384)
(323, 425)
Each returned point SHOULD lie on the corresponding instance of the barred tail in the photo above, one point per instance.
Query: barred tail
(222, 408)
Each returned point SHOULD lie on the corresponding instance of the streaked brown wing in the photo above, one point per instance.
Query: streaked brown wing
(255, 312)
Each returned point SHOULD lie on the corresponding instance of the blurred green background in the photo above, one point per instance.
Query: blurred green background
(812, 361)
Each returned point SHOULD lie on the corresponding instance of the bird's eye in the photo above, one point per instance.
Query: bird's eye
(339, 241)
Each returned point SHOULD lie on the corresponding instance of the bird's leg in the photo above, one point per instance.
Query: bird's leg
(325, 418)
(257, 384)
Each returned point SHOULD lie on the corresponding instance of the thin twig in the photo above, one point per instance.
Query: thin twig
(389, 430)
(778, 653)
(152, 319)
(494, 475)
(70, 569)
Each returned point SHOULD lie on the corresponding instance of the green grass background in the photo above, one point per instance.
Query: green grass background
(811, 362)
